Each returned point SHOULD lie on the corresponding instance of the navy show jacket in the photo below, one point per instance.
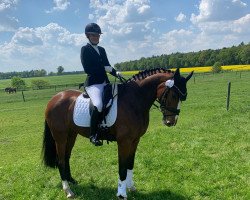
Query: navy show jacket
(94, 65)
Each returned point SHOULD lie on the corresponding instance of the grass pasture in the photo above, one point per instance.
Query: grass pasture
(206, 156)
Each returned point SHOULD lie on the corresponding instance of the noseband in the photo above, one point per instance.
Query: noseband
(164, 108)
(163, 101)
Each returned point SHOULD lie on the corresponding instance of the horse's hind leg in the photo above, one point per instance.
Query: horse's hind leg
(70, 144)
(61, 153)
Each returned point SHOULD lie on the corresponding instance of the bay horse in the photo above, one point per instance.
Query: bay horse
(10, 90)
(135, 98)
(7, 89)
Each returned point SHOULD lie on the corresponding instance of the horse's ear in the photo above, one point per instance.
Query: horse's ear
(189, 76)
(177, 73)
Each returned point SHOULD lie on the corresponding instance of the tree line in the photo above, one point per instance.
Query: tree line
(36, 73)
(234, 55)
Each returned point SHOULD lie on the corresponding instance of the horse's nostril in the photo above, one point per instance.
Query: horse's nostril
(168, 123)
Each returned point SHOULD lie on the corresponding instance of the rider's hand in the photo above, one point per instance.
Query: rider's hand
(119, 75)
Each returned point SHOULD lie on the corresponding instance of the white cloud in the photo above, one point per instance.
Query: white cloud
(42, 47)
(8, 23)
(143, 9)
(205, 35)
(127, 25)
(121, 18)
(91, 16)
(60, 5)
(175, 40)
(219, 10)
(223, 18)
(240, 26)
(7, 4)
(181, 17)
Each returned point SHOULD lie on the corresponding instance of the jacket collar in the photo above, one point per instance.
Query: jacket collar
(93, 50)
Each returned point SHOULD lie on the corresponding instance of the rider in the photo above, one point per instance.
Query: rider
(95, 63)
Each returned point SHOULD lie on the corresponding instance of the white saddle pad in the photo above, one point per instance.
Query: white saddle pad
(81, 115)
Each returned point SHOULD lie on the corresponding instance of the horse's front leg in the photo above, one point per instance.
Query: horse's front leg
(123, 155)
(130, 166)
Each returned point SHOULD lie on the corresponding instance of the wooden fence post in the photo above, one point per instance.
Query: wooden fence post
(228, 94)
(23, 96)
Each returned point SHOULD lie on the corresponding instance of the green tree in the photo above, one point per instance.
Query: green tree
(217, 67)
(174, 61)
(39, 84)
(18, 82)
(244, 55)
(60, 70)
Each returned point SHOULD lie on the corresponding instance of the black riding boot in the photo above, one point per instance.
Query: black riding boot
(93, 127)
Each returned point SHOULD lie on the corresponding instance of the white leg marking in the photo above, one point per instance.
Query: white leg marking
(121, 189)
(67, 189)
(178, 107)
(129, 180)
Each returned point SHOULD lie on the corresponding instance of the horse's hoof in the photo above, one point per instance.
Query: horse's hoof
(70, 194)
(122, 198)
(132, 189)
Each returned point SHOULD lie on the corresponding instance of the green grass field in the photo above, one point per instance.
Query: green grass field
(206, 156)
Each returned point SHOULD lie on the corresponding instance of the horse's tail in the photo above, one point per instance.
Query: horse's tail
(49, 148)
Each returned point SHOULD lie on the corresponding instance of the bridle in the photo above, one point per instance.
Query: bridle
(163, 101)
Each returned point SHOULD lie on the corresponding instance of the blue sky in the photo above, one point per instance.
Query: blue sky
(45, 34)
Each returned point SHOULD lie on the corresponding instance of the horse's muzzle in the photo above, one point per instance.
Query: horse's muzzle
(169, 123)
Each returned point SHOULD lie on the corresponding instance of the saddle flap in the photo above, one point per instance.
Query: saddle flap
(81, 114)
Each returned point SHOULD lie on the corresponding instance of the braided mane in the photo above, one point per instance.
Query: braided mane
(146, 73)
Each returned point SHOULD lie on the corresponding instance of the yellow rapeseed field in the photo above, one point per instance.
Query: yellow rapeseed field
(201, 69)
(209, 68)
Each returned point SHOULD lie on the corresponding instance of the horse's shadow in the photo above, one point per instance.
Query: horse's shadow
(92, 192)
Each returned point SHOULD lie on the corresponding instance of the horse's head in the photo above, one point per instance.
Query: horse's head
(170, 94)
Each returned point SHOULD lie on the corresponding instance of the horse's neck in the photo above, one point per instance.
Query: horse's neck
(148, 87)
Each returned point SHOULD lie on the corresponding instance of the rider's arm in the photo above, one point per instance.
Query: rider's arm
(108, 67)
(86, 62)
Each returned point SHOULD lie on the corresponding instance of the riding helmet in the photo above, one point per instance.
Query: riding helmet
(93, 28)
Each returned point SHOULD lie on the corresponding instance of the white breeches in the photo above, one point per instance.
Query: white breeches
(95, 94)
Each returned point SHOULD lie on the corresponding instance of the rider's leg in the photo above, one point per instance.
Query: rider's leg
(94, 120)
(95, 94)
